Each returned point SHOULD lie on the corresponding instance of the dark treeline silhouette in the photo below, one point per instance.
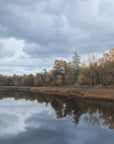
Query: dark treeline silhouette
(93, 72)
(74, 107)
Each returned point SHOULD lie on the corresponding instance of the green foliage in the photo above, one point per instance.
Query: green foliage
(76, 66)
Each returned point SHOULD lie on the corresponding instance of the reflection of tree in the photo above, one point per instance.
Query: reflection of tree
(63, 106)
(106, 112)
(109, 121)
(58, 108)
(66, 107)
(76, 117)
(72, 108)
(92, 119)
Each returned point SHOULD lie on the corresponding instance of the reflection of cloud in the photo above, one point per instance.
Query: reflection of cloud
(35, 123)
(13, 115)
(8, 124)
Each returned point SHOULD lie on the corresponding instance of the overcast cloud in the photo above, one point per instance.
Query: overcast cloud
(35, 32)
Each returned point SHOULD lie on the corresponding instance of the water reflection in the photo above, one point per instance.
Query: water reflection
(27, 117)
(63, 106)
(13, 115)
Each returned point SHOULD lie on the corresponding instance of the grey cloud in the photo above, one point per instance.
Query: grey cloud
(56, 28)
(5, 52)
(46, 50)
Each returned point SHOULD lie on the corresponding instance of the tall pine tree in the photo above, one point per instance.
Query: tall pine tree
(76, 66)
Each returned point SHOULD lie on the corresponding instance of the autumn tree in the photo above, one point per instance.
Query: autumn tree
(69, 74)
(99, 71)
(84, 78)
(16, 80)
(38, 80)
(59, 69)
(108, 72)
(59, 80)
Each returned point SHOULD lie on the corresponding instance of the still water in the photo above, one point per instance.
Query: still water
(31, 118)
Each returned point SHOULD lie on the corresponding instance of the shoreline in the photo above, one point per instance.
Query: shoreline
(86, 93)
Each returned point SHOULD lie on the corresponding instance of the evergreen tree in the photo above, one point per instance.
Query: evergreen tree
(76, 66)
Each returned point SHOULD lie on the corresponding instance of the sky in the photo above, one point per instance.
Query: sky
(33, 33)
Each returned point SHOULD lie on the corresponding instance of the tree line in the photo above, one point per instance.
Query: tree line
(92, 72)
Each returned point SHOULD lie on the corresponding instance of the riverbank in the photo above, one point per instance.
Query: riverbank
(87, 93)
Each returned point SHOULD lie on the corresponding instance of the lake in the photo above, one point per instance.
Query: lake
(32, 118)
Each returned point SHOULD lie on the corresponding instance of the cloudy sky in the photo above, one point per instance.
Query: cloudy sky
(33, 33)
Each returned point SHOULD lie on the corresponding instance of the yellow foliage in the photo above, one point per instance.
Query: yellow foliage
(59, 80)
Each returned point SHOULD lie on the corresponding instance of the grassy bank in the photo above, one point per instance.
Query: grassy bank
(88, 93)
